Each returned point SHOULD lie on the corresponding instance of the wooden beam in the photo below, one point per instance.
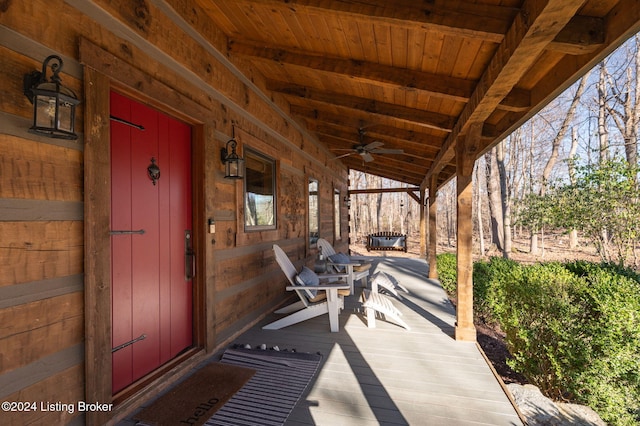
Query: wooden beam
(456, 89)
(370, 106)
(316, 118)
(406, 138)
(380, 170)
(337, 140)
(383, 190)
(537, 24)
(622, 22)
(459, 19)
(97, 186)
(439, 86)
(581, 35)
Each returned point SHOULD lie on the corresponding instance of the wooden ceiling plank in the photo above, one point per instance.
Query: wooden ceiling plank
(425, 118)
(460, 19)
(433, 84)
(537, 24)
(456, 89)
(386, 162)
(351, 135)
(397, 175)
(416, 133)
(400, 47)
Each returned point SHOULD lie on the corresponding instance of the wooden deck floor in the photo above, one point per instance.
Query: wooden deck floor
(389, 375)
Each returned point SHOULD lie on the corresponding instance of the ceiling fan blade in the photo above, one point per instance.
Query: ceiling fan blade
(373, 145)
(387, 151)
(343, 155)
(367, 157)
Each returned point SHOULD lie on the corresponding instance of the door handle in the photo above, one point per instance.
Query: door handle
(129, 343)
(189, 256)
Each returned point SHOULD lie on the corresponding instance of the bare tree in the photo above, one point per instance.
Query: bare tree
(495, 199)
(478, 207)
(626, 109)
(504, 199)
(562, 132)
(573, 234)
(603, 131)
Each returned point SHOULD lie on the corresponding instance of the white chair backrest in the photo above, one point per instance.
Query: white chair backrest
(290, 271)
(327, 249)
(285, 264)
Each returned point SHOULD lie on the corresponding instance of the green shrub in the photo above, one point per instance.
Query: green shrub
(447, 272)
(501, 271)
(610, 381)
(540, 321)
(572, 329)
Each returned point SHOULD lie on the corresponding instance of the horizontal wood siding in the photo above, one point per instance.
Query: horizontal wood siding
(41, 254)
(183, 70)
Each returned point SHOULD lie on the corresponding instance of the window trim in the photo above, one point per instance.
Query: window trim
(337, 215)
(309, 181)
(247, 151)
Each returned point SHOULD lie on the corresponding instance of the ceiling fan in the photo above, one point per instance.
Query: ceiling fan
(365, 151)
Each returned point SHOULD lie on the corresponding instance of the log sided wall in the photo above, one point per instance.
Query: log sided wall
(53, 284)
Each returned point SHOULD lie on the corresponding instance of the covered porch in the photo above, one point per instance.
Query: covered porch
(388, 375)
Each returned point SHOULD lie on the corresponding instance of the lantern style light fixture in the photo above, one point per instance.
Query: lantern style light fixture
(54, 106)
(347, 201)
(233, 164)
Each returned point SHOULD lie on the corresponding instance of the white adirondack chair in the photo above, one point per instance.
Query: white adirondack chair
(329, 299)
(373, 302)
(350, 268)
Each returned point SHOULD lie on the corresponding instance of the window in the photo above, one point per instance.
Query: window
(337, 230)
(314, 212)
(259, 192)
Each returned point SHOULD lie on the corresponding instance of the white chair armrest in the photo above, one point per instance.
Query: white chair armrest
(333, 277)
(324, 287)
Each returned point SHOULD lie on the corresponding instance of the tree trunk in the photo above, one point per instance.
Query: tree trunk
(504, 200)
(495, 203)
(573, 235)
(627, 115)
(603, 133)
(557, 140)
(533, 240)
(479, 210)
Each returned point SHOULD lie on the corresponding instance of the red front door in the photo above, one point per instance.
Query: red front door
(150, 239)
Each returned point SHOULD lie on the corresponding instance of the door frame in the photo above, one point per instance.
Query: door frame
(104, 73)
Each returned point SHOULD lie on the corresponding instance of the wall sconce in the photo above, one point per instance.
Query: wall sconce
(233, 165)
(347, 201)
(54, 106)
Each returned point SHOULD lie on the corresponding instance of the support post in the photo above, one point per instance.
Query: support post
(466, 150)
(433, 230)
(423, 226)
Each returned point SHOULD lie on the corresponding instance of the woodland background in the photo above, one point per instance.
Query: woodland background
(590, 127)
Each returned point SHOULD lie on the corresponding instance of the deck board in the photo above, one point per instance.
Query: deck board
(388, 375)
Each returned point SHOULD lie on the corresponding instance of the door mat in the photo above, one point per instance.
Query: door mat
(197, 398)
(271, 394)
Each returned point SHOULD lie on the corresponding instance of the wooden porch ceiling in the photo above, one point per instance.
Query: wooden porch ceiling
(415, 74)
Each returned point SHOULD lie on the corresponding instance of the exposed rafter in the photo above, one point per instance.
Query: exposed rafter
(416, 73)
(456, 89)
(538, 23)
(370, 106)
(450, 18)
